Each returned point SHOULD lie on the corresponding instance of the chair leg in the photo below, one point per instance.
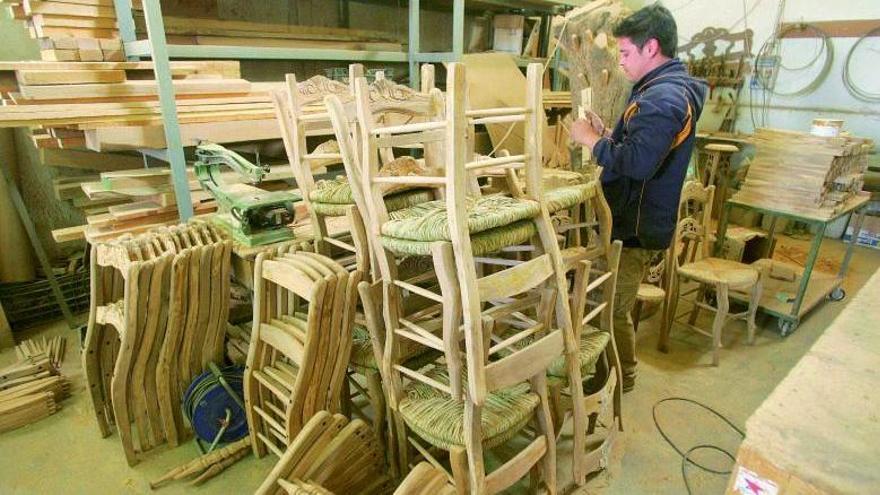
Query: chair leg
(459, 465)
(663, 340)
(754, 300)
(546, 428)
(377, 400)
(557, 413)
(695, 312)
(718, 324)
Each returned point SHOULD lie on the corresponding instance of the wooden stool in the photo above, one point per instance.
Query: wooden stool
(717, 169)
(648, 293)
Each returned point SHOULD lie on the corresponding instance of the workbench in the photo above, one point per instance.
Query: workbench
(817, 431)
(810, 287)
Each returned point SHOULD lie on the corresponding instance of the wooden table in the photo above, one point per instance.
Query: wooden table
(819, 431)
(813, 286)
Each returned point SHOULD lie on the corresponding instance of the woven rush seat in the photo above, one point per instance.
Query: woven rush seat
(563, 198)
(593, 343)
(439, 419)
(554, 178)
(720, 271)
(362, 355)
(332, 197)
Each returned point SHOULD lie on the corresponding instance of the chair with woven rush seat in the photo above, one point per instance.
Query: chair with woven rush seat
(304, 306)
(691, 262)
(480, 394)
(301, 114)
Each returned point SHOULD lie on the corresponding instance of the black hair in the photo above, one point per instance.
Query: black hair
(654, 21)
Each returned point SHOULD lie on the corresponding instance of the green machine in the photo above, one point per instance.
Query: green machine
(253, 216)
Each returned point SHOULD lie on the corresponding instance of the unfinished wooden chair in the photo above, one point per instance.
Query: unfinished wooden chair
(301, 114)
(480, 395)
(691, 262)
(304, 306)
(425, 479)
(329, 455)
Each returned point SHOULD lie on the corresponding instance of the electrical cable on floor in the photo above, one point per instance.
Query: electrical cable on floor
(685, 455)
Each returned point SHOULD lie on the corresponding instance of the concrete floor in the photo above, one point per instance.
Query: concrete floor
(65, 453)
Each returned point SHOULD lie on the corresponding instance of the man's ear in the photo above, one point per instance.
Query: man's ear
(651, 47)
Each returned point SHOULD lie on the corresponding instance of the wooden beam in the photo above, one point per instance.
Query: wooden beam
(136, 88)
(835, 29)
(35, 77)
(58, 8)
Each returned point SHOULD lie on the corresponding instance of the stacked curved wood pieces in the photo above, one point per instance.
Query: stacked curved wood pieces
(157, 317)
(330, 455)
(304, 306)
(425, 479)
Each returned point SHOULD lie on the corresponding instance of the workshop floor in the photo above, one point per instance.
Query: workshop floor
(65, 453)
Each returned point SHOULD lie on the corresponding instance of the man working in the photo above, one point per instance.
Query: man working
(645, 158)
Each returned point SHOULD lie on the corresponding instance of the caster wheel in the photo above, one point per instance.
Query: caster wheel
(785, 327)
(837, 294)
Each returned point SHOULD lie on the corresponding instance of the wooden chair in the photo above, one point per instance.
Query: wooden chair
(298, 354)
(425, 479)
(465, 405)
(716, 171)
(301, 114)
(330, 455)
(691, 262)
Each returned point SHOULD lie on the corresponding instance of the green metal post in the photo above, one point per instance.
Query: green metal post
(808, 269)
(413, 46)
(168, 103)
(857, 228)
(125, 22)
(457, 30)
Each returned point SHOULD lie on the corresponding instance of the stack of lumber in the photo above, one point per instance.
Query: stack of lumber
(108, 106)
(71, 30)
(31, 389)
(157, 317)
(804, 174)
(216, 32)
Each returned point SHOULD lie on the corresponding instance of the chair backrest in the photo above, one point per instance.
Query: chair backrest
(304, 305)
(691, 239)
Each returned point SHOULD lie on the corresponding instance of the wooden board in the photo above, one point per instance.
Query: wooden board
(134, 137)
(37, 77)
(826, 404)
(136, 88)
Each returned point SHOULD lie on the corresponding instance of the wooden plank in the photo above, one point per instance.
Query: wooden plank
(221, 66)
(136, 88)
(49, 77)
(49, 20)
(836, 29)
(89, 160)
(74, 32)
(69, 9)
(59, 55)
(134, 137)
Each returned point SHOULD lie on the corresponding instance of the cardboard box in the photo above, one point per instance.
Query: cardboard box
(508, 33)
(869, 235)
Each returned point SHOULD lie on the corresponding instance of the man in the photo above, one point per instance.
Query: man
(645, 157)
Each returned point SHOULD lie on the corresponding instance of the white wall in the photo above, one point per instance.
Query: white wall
(831, 99)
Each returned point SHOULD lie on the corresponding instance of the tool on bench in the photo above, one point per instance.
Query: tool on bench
(253, 216)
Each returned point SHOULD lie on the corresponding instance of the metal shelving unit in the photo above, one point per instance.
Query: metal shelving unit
(157, 48)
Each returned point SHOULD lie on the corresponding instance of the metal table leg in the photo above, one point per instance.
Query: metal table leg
(808, 270)
(28, 224)
(838, 293)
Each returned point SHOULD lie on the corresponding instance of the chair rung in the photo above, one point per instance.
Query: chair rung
(491, 112)
(495, 162)
(504, 344)
(517, 467)
(404, 128)
(272, 422)
(497, 261)
(275, 409)
(315, 117)
(498, 119)
(592, 314)
(340, 244)
(410, 179)
(274, 448)
(271, 385)
(415, 289)
(322, 156)
(415, 375)
(599, 281)
(433, 342)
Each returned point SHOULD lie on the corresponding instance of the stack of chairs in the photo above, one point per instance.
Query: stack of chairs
(499, 335)
(157, 318)
(304, 305)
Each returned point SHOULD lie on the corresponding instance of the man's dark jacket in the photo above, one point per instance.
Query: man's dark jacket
(646, 157)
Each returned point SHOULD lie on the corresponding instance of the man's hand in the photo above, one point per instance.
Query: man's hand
(583, 133)
(596, 122)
